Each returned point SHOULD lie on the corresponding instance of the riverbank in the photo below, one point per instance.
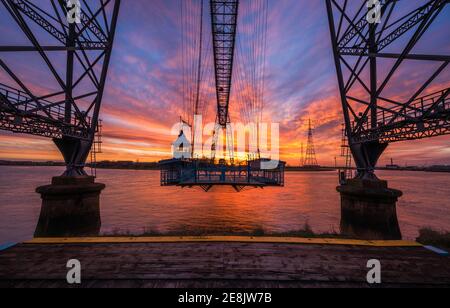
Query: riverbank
(129, 165)
(427, 236)
(440, 239)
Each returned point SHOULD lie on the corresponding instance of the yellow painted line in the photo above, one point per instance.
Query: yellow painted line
(222, 239)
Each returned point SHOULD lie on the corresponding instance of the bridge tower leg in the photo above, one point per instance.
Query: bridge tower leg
(74, 150)
(75, 153)
(71, 203)
(368, 206)
(70, 207)
(369, 210)
(366, 156)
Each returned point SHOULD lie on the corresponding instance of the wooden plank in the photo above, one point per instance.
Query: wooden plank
(220, 264)
(224, 239)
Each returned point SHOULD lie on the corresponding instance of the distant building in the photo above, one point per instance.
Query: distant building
(181, 148)
(392, 166)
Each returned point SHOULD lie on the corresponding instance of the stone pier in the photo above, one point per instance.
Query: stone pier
(369, 210)
(70, 207)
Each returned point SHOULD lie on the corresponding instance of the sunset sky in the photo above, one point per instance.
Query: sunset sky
(143, 94)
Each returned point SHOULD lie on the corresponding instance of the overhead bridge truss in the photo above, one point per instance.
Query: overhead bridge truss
(362, 49)
(224, 15)
(69, 113)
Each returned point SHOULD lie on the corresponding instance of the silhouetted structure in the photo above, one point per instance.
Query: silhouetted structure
(204, 174)
(185, 170)
(369, 48)
(346, 154)
(370, 44)
(224, 15)
(310, 159)
(69, 114)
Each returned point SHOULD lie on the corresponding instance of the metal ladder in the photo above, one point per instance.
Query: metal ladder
(347, 173)
(96, 148)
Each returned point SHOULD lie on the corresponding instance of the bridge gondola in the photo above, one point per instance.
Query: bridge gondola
(206, 174)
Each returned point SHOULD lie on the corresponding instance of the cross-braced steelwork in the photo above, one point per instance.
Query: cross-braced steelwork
(72, 41)
(372, 41)
(224, 23)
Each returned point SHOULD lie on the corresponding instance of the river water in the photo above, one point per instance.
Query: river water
(133, 202)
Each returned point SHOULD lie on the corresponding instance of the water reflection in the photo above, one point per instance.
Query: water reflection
(73, 210)
(133, 202)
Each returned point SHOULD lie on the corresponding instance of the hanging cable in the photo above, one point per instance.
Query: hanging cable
(199, 69)
(250, 80)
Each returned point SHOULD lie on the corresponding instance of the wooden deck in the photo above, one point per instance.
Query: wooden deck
(214, 264)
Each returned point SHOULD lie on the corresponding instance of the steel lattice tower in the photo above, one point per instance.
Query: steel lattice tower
(370, 53)
(64, 104)
(310, 159)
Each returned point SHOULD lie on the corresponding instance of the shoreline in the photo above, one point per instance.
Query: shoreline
(153, 167)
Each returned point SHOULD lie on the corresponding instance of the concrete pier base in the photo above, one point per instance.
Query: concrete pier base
(369, 210)
(70, 207)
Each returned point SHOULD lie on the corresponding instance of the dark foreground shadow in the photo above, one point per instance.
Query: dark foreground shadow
(70, 208)
(369, 210)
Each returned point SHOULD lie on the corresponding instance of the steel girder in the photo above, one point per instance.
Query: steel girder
(374, 119)
(224, 15)
(70, 113)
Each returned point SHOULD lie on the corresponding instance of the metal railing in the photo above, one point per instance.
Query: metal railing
(417, 110)
(220, 175)
(28, 106)
(22, 113)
